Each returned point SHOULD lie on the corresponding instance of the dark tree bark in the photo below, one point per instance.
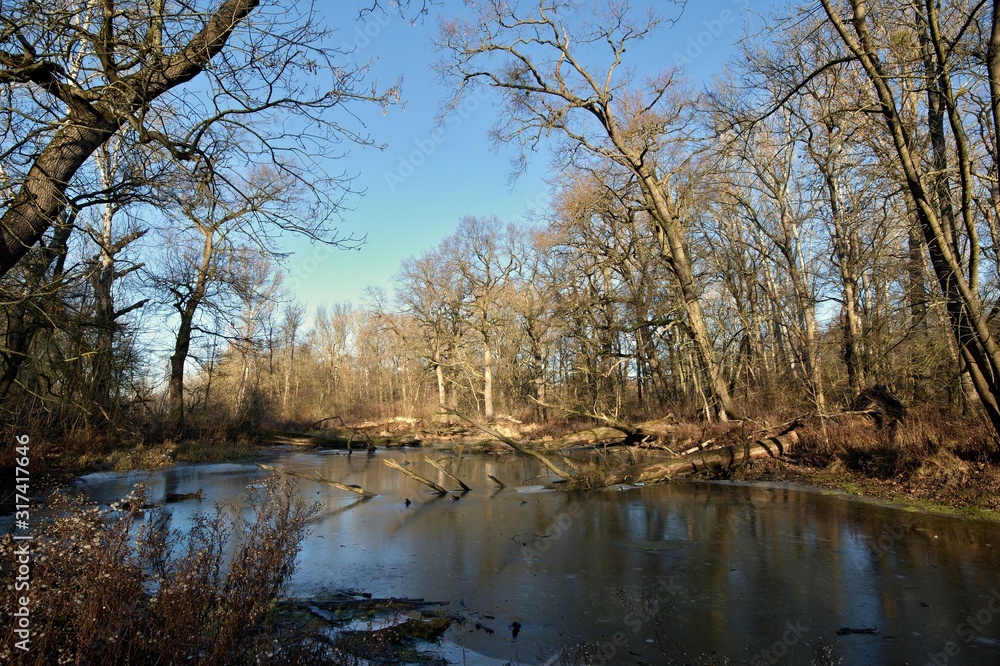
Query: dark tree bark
(93, 116)
(187, 308)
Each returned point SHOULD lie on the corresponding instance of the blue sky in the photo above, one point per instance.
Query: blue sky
(456, 171)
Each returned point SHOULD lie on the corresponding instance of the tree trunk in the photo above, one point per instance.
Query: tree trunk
(487, 381)
(670, 235)
(182, 342)
(969, 325)
(103, 280)
(439, 374)
(90, 123)
(27, 317)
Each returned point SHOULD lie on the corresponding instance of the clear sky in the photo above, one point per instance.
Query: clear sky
(407, 211)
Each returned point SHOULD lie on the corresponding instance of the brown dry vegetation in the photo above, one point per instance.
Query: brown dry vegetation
(929, 461)
(114, 590)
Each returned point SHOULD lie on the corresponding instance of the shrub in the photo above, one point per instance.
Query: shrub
(107, 588)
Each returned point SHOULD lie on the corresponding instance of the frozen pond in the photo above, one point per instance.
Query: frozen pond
(762, 574)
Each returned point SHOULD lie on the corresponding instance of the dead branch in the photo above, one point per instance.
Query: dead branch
(416, 477)
(721, 458)
(344, 603)
(613, 423)
(354, 431)
(451, 476)
(328, 418)
(517, 446)
(357, 490)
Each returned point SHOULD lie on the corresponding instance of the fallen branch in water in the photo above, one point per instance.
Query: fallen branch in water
(451, 476)
(427, 630)
(724, 457)
(519, 447)
(359, 605)
(416, 477)
(358, 490)
(497, 481)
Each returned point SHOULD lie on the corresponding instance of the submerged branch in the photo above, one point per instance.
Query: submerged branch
(519, 447)
(416, 477)
(358, 490)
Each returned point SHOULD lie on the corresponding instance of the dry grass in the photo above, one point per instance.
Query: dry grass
(107, 588)
(929, 457)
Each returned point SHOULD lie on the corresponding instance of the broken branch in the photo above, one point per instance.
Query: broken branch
(358, 490)
(451, 476)
(416, 477)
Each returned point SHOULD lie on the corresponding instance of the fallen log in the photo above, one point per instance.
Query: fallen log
(360, 605)
(354, 431)
(616, 435)
(520, 448)
(180, 497)
(451, 476)
(358, 490)
(328, 439)
(591, 436)
(416, 477)
(721, 458)
(427, 630)
(497, 481)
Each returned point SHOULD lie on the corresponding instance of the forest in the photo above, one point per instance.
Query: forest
(788, 273)
(822, 220)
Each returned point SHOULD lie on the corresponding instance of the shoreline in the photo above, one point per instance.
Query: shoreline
(766, 473)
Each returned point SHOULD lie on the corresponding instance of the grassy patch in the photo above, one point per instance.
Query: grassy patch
(164, 454)
(928, 463)
(203, 451)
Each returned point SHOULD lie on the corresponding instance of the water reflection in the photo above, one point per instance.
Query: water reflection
(761, 574)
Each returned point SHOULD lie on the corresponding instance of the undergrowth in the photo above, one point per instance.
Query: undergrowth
(107, 587)
(926, 457)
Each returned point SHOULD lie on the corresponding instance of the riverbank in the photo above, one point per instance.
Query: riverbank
(951, 469)
(924, 464)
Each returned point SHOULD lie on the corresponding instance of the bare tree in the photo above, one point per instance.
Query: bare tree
(428, 293)
(294, 317)
(539, 62)
(220, 224)
(76, 74)
(926, 55)
(479, 252)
